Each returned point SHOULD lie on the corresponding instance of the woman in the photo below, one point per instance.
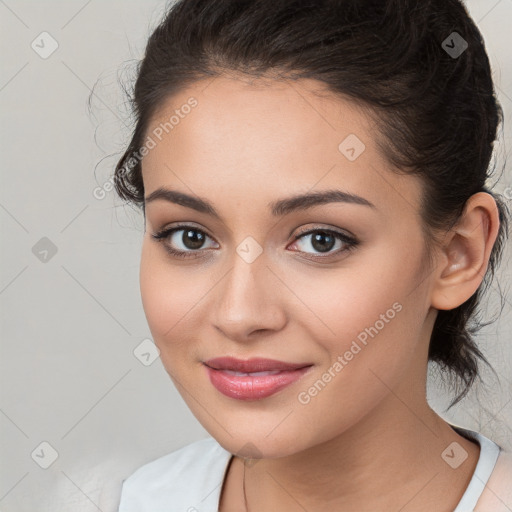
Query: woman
(317, 229)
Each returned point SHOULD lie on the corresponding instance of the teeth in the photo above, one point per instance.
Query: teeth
(254, 374)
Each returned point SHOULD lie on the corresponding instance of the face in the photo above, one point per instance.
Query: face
(337, 288)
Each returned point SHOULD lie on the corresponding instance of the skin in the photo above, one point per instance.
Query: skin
(368, 440)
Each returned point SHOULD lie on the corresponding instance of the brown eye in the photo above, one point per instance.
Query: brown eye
(192, 238)
(184, 245)
(324, 241)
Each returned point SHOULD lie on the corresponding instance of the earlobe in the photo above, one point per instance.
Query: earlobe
(465, 253)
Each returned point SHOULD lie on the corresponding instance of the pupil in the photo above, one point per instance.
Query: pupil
(192, 242)
(323, 246)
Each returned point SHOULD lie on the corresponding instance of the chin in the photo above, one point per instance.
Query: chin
(256, 445)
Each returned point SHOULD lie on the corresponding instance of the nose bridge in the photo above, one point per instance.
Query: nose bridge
(247, 299)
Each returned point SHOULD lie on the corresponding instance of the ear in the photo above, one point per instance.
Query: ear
(465, 253)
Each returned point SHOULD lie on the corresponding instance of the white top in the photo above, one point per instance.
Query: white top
(190, 480)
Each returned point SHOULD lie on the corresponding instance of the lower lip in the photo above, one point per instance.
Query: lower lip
(245, 387)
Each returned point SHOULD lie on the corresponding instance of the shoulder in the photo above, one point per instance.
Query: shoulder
(497, 494)
(185, 477)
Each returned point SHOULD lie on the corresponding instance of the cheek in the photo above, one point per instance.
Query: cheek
(366, 320)
(167, 295)
(154, 290)
(369, 356)
(362, 300)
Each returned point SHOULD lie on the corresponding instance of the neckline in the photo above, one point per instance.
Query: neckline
(224, 478)
(488, 456)
(489, 453)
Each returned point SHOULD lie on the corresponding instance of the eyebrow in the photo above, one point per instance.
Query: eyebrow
(277, 208)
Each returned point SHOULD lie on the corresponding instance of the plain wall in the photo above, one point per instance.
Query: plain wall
(70, 321)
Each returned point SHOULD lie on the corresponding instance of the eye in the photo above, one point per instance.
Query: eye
(190, 240)
(324, 241)
(185, 240)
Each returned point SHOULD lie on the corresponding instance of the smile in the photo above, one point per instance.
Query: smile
(227, 375)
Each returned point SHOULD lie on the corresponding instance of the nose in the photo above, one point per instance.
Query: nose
(249, 300)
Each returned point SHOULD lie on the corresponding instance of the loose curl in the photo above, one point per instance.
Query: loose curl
(436, 116)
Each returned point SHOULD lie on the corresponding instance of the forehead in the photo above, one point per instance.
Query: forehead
(265, 118)
(269, 139)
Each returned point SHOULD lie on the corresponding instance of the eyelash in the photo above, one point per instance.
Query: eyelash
(350, 242)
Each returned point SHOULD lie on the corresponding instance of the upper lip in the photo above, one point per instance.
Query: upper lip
(256, 364)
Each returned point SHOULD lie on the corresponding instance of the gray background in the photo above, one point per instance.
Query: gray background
(70, 321)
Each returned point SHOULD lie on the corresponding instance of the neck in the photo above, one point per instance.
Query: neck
(344, 473)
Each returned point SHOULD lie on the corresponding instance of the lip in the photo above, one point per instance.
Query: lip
(256, 364)
(277, 375)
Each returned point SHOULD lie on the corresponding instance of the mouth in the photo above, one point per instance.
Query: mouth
(253, 379)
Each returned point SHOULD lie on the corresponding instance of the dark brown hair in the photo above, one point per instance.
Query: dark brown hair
(436, 112)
